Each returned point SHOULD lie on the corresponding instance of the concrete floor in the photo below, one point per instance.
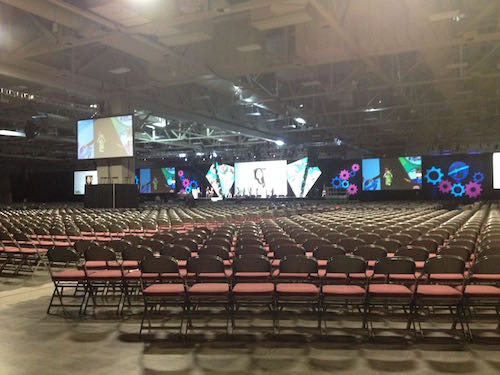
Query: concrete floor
(35, 343)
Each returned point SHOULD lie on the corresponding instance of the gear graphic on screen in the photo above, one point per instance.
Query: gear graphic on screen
(180, 173)
(478, 177)
(187, 190)
(344, 174)
(352, 189)
(355, 167)
(345, 184)
(433, 175)
(336, 182)
(457, 190)
(444, 186)
(186, 182)
(473, 189)
(352, 173)
(194, 184)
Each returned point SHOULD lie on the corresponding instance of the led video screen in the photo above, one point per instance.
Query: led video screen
(261, 178)
(157, 180)
(301, 177)
(496, 170)
(82, 178)
(346, 176)
(221, 178)
(457, 176)
(110, 137)
(403, 173)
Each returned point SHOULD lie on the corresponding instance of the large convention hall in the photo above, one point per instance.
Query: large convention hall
(283, 187)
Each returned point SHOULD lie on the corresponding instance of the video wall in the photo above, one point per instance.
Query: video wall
(457, 176)
(496, 170)
(261, 178)
(402, 173)
(346, 176)
(301, 176)
(111, 137)
(156, 180)
(221, 178)
(82, 178)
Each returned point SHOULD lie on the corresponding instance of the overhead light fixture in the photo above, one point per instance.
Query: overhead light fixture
(200, 153)
(445, 16)
(120, 70)
(300, 120)
(214, 154)
(161, 123)
(182, 155)
(249, 47)
(12, 133)
(311, 83)
(279, 142)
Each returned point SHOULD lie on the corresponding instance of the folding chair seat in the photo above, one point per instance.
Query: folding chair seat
(71, 279)
(339, 290)
(252, 284)
(161, 292)
(209, 286)
(296, 285)
(393, 289)
(434, 289)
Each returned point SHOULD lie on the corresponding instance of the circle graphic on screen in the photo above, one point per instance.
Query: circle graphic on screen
(458, 170)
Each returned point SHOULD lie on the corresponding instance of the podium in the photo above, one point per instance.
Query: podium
(111, 196)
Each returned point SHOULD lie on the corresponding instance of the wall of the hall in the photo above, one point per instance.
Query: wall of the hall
(53, 182)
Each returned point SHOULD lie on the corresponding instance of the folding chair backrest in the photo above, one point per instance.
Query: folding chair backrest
(444, 264)
(159, 265)
(287, 250)
(325, 252)
(459, 251)
(218, 241)
(394, 265)
(251, 263)
(62, 255)
(417, 253)
(137, 252)
(166, 238)
(370, 252)
(346, 264)
(313, 243)
(100, 253)
(350, 244)
(298, 264)
(429, 243)
(214, 250)
(206, 264)
(178, 252)
(390, 245)
(190, 243)
(487, 265)
(253, 249)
